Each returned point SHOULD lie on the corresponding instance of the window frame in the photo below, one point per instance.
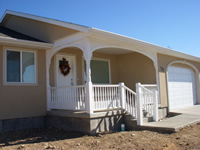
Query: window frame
(21, 50)
(100, 59)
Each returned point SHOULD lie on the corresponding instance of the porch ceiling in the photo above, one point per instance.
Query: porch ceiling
(114, 51)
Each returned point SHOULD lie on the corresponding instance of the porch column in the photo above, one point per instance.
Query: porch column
(155, 62)
(89, 100)
(48, 92)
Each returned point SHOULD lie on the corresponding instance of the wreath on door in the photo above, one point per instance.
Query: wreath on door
(64, 66)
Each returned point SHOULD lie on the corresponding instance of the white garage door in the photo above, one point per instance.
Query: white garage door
(181, 87)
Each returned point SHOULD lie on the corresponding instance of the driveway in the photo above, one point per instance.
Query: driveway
(185, 116)
(192, 110)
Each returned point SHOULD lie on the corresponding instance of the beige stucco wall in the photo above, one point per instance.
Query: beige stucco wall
(24, 101)
(130, 68)
(134, 68)
(163, 61)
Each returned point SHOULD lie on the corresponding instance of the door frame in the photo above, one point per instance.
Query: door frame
(74, 66)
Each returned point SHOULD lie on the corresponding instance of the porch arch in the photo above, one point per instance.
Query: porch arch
(75, 57)
(150, 56)
(55, 50)
(49, 56)
(151, 60)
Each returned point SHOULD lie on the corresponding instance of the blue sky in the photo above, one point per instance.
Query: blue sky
(168, 23)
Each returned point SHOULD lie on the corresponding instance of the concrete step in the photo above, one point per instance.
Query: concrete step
(146, 114)
(131, 122)
(147, 119)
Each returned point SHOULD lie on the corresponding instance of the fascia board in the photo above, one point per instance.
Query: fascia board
(40, 45)
(174, 53)
(158, 49)
(47, 20)
(3, 17)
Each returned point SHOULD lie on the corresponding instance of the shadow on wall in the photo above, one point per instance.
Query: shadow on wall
(108, 123)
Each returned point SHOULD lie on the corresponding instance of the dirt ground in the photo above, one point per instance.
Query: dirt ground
(41, 139)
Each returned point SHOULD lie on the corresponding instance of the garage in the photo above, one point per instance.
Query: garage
(181, 87)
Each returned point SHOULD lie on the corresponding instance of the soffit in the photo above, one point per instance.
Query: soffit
(113, 51)
(7, 33)
(41, 30)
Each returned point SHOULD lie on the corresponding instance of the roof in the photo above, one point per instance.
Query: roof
(42, 28)
(44, 19)
(74, 28)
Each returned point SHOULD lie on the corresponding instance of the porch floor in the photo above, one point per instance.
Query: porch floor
(182, 117)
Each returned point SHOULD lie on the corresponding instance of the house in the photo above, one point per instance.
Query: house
(74, 77)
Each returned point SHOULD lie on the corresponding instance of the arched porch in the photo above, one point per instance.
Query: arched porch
(127, 66)
(66, 86)
(95, 75)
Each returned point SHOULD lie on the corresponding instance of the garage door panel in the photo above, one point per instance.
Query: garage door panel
(181, 87)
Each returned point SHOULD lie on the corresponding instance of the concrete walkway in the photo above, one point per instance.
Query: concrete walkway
(186, 116)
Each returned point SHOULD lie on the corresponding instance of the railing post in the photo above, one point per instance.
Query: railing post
(122, 96)
(155, 106)
(89, 98)
(48, 90)
(139, 104)
(48, 98)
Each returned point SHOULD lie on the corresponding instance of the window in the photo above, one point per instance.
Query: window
(99, 71)
(20, 67)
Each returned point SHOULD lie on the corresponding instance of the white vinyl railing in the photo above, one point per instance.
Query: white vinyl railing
(151, 87)
(71, 98)
(147, 96)
(130, 101)
(147, 101)
(106, 97)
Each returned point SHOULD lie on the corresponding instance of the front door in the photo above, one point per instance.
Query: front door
(66, 76)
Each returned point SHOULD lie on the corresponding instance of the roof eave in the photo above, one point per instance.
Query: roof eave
(157, 48)
(46, 20)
